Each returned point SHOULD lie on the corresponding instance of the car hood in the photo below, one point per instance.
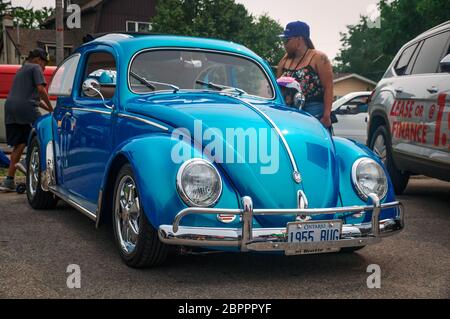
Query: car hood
(267, 174)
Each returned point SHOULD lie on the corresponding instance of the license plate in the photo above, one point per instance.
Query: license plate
(313, 232)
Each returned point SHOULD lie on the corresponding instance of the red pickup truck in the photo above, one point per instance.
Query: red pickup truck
(7, 73)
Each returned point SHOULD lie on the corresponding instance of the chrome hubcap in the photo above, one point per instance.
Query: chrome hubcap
(379, 147)
(33, 169)
(127, 213)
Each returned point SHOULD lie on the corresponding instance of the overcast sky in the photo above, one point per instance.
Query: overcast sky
(326, 17)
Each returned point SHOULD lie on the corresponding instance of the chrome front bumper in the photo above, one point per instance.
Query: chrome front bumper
(275, 239)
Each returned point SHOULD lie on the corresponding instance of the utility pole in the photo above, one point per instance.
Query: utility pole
(59, 22)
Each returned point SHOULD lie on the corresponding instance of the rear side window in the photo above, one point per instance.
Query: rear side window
(405, 61)
(431, 54)
(101, 66)
(62, 82)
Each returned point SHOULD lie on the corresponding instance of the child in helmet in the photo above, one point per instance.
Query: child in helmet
(289, 88)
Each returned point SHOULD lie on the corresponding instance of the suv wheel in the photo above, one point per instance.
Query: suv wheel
(381, 145)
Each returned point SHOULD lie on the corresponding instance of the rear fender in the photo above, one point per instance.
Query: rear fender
(42, 129)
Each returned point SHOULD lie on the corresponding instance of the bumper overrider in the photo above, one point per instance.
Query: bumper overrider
(247, 238)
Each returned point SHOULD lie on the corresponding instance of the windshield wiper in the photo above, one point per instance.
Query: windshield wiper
(221, 87)
(149, 83)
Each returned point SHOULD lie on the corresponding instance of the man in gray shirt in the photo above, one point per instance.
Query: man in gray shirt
(21, 108)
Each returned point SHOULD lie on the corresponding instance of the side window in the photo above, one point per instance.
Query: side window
(405, 60)
(356, 105)
(101, 66)
(431, 54)
(64, 77)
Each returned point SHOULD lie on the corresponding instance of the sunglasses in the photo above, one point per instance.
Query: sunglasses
(286, 40)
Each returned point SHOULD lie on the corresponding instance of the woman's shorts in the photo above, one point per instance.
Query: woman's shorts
(316, 109)
(17, 134)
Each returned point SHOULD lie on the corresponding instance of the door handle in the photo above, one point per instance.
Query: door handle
(433, 90)
(399, 90)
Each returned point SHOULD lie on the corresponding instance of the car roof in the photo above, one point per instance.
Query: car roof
(441, 27)
(133, 42)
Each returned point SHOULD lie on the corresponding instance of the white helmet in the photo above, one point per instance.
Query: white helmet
(289, 83)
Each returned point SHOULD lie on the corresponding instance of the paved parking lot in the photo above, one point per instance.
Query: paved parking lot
(36, 248)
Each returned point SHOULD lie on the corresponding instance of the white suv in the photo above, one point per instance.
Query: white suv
(409, 111)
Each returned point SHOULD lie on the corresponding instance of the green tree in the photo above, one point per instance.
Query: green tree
(4, 6)
(30, 18)
(221, 19)
(369, 51)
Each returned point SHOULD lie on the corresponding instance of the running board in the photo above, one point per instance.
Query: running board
(74, 201)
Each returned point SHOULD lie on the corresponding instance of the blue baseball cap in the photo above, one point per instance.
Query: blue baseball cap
(296, 29)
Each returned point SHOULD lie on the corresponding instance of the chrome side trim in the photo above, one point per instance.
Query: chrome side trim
(136, 118)
(74, 204)
(295, 174)
(91, 110)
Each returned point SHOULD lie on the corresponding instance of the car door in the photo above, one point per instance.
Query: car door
(352, 119)
(436, 116)
(416, 95)
(62, 87)
(89, 126)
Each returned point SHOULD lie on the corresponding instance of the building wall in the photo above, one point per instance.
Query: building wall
(351, 85)
(114, 14)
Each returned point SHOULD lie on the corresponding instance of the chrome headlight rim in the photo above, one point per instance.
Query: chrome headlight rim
(183, 194)
(356, 185)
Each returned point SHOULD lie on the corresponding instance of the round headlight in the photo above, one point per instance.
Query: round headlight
(369, 177)
(199, 183)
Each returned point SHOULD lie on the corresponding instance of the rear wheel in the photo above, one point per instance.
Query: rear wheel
(37, 197)
(381, 145)
(136, 239)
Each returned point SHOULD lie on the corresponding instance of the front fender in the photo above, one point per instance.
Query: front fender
(155, 174)
(347, 153)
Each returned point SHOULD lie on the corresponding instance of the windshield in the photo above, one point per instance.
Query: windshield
(197, 70)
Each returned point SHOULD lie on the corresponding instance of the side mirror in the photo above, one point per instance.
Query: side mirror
(91, 88)
(445, 64)
(299, 100)
(341, 110)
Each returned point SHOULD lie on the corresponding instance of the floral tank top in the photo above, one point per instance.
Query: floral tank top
(309, 82)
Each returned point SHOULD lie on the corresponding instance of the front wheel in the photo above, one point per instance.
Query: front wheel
(135, 237)
(381, 145)
(37, 197)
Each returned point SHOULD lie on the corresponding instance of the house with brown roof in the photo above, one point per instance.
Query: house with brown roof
(345, 83)
(97, 16)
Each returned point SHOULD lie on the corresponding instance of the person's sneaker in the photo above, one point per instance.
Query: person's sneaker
(8, 185)
(22, 166)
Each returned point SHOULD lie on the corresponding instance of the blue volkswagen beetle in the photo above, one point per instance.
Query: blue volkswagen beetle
(186, 142)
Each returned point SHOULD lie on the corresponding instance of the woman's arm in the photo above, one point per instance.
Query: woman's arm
(325, 72)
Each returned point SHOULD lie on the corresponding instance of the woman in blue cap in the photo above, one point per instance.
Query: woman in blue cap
(311, 68)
